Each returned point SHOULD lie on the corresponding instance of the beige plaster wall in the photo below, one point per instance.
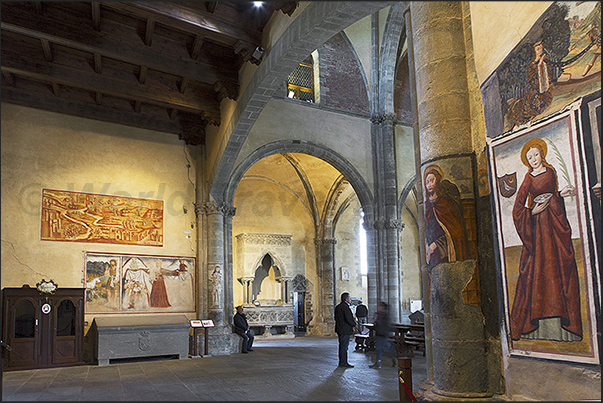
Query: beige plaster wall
(347, 135)
(410, 265)
(359, 34)
(347, 254)
(497, 27)
(47, 150)
(405, 155)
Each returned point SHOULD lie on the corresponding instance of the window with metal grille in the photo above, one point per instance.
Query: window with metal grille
(299, 82)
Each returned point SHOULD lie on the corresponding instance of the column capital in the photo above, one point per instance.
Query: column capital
(384, 224)
(242, 280)
(212, 207)
(397, 224)
(325, 241)
(386, 117)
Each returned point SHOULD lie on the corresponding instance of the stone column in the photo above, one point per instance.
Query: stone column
(387, 225)
(326, 259)
(245, 282)
(284, 290)
(220, 337)
(215, 261)
(374, 279)
(445, 147)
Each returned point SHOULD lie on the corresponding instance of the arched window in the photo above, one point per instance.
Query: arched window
(300, 81)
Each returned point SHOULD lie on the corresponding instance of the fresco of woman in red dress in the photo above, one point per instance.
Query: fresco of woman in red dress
(159, 297)
(445, 229)
(547, 298)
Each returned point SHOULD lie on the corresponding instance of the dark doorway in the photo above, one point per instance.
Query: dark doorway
(299, 307)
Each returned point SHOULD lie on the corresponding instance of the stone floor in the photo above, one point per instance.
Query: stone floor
(304, 368)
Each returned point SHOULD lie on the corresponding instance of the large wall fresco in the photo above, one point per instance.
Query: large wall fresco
(120, 283)
(539, 106)
(558, 61)
(546, 260)
(89, 217)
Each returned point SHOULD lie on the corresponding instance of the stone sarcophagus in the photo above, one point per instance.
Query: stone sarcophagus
(274, 321)
(144, 336)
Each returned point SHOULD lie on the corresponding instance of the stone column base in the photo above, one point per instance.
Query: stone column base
(221, 341)
(426, 391)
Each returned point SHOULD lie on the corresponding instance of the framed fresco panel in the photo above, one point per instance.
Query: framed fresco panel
(125, 283)
(543, 240)
(89, 217)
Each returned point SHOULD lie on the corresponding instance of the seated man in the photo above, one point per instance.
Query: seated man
(242, 329)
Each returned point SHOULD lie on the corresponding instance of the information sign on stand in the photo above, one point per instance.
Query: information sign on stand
(197, 324)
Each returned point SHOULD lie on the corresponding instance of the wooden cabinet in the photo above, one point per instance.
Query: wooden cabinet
(43, 330)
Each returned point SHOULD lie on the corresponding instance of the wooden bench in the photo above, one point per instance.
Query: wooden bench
(361, 342)
(410, 337)
(417, 341)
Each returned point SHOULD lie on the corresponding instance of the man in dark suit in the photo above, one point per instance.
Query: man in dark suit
(344, 327)
(242, 329)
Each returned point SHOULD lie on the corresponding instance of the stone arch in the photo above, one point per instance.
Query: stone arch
(275, 261)
(261, 275)
(393, 37)
(295, 146)
(313, 27)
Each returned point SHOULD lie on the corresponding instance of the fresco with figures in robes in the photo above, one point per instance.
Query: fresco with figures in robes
(139, 283)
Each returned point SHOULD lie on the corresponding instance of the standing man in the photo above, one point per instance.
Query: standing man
(361, 315)
(242, 329)
(344, 327)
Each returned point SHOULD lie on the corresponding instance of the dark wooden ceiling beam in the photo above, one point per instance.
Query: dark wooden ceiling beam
(98, 63)
(120, 49)
(287, 7)
(96, 18)
(8, 77)
(210, 6)
(46, 49)
(38, 7)
(196, 48)
(111, 86)
(55, 89)
(89, 110)
(196, 21)
(142, 76)
(148, 33)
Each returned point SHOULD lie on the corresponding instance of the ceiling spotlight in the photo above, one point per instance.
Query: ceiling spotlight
(258, 3)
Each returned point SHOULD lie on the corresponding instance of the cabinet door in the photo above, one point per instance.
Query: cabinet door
(22, 329)
(65, 332)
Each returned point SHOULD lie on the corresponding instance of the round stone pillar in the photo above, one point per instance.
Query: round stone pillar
(215, 261)
(387, 225)
(218, 273)
(326, 262)
(444, 141)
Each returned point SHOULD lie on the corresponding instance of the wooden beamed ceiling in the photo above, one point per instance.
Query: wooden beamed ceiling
(156, 65)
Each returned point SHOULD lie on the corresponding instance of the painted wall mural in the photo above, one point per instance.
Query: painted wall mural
(546, 259)
(139, 283)
(95, 218)
(558, 61)
(449, 213)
